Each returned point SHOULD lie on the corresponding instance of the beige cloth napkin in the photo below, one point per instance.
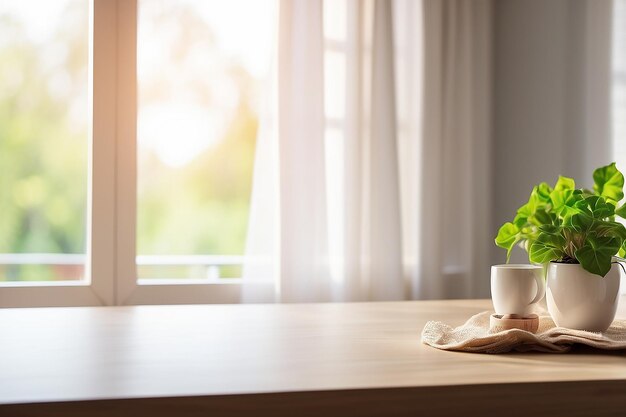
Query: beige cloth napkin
(475, 336)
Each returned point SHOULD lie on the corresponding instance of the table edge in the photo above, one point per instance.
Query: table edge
(574, 398)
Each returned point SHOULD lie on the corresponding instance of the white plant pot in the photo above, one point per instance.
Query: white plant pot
(578, 299)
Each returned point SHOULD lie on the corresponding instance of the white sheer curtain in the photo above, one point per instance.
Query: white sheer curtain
(354, 197)
(455, 188)
(287, 255)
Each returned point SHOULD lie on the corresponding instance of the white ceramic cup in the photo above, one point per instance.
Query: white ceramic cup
(516, 288)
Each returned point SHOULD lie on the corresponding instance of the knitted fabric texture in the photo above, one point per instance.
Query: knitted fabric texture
(476, 336)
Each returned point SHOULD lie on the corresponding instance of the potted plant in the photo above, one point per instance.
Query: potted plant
(573, 233)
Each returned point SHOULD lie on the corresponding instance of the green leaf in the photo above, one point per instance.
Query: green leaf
(558, 198)
(533, 202)
(542, 217)
(543, 191)
(507, 237)
(610, 228)
(621, 211)
(550, 229)
(596, 206)
(579, 222)
(539, 197)
(564, 201)
(522, 216)
(596, 254)
(609, 182)
(548, 247)
(564, 183)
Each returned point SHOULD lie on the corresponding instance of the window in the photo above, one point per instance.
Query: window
(127, 150)
(44, 108)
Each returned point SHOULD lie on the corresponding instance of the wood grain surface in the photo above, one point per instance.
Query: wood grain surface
(343, 359)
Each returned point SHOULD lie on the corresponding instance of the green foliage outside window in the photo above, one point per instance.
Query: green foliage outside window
(43, 161)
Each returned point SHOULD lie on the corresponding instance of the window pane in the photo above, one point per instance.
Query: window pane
(201, 68)
(44, 125)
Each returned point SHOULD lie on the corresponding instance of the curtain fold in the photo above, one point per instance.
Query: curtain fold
(287, 256)
(372, 243)
(455, 188)
(303, 243)
(384, 239)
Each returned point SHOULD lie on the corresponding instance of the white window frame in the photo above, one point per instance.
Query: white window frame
(110, 270)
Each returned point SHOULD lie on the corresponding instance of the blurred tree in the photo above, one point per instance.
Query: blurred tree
(43, 140)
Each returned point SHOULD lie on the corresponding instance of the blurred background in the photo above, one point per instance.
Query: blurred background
(554, 74)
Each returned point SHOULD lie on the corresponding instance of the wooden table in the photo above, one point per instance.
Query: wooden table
(283, 360)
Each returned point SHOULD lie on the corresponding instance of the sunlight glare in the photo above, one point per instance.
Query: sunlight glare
(188, 94)
(177, 132)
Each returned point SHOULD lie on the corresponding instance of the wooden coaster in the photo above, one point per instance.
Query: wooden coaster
(498, 322)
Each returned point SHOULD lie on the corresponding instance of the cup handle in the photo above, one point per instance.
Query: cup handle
(541, 288)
